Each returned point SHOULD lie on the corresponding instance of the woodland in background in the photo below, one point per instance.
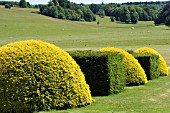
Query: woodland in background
(130, 12)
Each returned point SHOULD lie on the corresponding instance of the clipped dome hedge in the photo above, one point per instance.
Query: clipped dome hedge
(162, 65)
(36, 76)
(135, 74)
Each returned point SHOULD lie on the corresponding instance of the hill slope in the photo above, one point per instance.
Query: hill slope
(21, 24)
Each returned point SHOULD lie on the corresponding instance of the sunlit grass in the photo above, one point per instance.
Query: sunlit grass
(22, 24)
(151, 98)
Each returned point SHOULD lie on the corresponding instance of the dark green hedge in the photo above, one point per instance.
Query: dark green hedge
(103, 71)
(150, 64)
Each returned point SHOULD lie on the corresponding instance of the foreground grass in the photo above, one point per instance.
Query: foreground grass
(151, 98)
(22, 24)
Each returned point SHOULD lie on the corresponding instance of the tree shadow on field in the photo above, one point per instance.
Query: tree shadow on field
(167, 28)
(35, 12)
(163, 25)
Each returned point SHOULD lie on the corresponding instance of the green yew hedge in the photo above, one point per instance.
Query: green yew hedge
(135, 74)
(150, 64)
(103, 71)
(162, 63)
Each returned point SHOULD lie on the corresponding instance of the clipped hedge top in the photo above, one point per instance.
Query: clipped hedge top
(135, 74)
(163, 67)
(89, 53)
(39, 76)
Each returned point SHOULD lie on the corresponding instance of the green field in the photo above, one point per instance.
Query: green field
(22, 24)
(151, 98)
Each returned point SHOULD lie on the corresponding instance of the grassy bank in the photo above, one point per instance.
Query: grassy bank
(21, 24)
(151, 98)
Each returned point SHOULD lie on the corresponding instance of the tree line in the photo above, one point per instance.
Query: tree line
(21, 3)
(126, 13)
(156, 3)
(8, 4)
(64, 9)
(130, 12)
(163, 16)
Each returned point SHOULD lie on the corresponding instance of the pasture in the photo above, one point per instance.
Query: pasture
(22, 24)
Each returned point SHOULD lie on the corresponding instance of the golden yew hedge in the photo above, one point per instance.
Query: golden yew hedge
(36, 75)
(135, 74)
(163, 67)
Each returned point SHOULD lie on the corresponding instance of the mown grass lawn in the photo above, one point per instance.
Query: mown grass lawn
(23, 24)
(151, 98)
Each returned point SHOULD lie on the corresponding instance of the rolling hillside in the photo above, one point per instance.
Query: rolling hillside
(21, 24)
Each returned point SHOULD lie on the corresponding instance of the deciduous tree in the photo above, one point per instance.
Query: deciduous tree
(23, 4)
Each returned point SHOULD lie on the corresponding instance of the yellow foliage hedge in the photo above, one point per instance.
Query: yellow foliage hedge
(135, 74)
(36, 75)
(163, 67)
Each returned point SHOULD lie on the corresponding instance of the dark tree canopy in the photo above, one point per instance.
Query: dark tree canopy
(131, 12)
(134, 15)
(55, 2)
(164, 16)
(23, 4)
(7, 6)
(127, 13)
(12, 3)
(64, 9)
(167, 21)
